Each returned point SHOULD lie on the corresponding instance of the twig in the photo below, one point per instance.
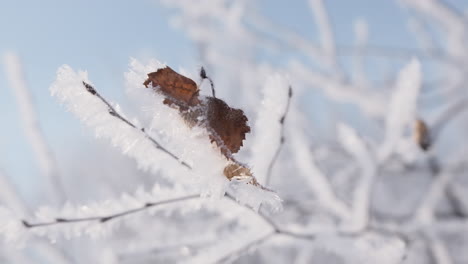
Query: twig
(246, 247)
(368, 101)
(106, 218)
(439, 251)
(316, 180)
(114, 113)
(273, 225)
(276, 230)
(403, 53)
(327, 38)
(204, 76)
(288, 39)
(458, 204)
(449, 114)
(10, 197)
(31, 125)
(282, 139)
(103, 219)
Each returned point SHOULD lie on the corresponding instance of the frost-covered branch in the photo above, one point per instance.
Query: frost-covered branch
(439, 250)
(327, 38)
(425, 212)
(452, 24)
(290, 39)
(282, 138)
(361, 38)
(10, 197)
(316, 179)
(246, 248)
(403, 108)
(32, 129)
(370, 102)
(449, 114)
(114, 113)
(400, 53)
(362, 194)
(106, 218)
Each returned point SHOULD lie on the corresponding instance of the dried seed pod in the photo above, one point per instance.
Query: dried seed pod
(234, 170)
(239, 171)
(421, 134)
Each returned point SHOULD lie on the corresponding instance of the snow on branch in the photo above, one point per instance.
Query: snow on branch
(115, 114)
(74, 220)
(109, 217)
(356, 146)
(164, 126)
(32, 129)
(370, 102)
(402, 110)
(361, 33)
(426, 211)
(439, 250)
(290, 39)
(282, 138)
(84, 101)
(10, 196)
(13, 207)
(447, 115)
(98, 219)
(453, 24)
(269, 126)
(316, 180)
(326, 34)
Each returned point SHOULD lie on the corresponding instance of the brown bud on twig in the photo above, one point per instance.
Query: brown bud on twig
(421, 134)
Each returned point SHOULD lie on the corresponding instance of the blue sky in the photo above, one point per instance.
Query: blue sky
(98, 36)
(101, 35)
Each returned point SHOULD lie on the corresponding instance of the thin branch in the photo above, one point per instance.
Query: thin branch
(246, 247)
(327, 38)
(361, 38)
(362, 193)
(425, 213)
(204, 76)
(272, 224)
(276, 230)
(282, 139)
(288, 39)
(402, 53)
(10, 197)
(103, 219)
(439, 251)
(32, 129)
(458, 203)
(369, 102)
(446, 116)
(114, 113)
(315, 179)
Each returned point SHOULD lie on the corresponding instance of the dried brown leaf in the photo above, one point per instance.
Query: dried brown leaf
(178, 89)
(227, 126)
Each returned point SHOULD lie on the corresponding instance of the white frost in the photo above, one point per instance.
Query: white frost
(403, 107)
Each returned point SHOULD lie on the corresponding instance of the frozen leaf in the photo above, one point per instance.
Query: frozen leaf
(228, 123)
(178, 89)
(227, 126)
